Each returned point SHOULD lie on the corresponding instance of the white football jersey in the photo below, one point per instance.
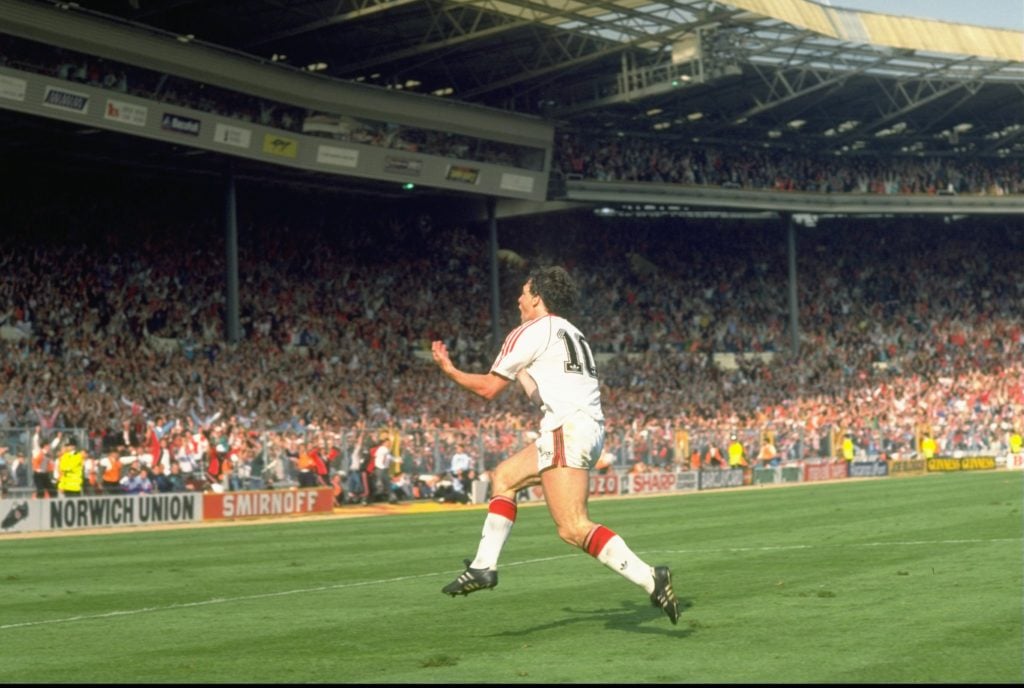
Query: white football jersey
(556, 356)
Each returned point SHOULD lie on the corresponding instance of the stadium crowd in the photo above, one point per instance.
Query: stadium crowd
(112, 316)
(634, 159)
(576, 155)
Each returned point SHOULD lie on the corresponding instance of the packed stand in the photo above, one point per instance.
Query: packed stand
(674, 161)
(113, 322)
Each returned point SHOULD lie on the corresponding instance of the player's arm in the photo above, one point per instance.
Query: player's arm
(487, 385)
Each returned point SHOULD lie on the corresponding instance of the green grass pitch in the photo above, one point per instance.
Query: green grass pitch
(915, 580)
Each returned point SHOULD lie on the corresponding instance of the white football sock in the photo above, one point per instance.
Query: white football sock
(501, 516)
(611, 550)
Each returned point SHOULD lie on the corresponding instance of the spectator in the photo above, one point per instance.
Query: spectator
(737, 454)
(175, 479)
(848, 448)
(160, 481)
(928, 445)
(136, 481)
(19, 471)
(42, 470)
(325, 454)
(381, 459)
(356, 479)
(306, 463)
(462, 469)
(90, 472)
(71, 469)
(768, 455)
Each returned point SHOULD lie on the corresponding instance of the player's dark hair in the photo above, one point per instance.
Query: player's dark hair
(558, 290)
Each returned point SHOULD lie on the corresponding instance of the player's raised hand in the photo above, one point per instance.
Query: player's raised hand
(440, 353)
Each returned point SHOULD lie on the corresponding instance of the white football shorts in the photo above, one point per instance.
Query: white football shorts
(577, 444)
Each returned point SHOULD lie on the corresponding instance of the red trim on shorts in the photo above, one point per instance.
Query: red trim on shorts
(596, 539)
(558, 445)
(503, 506)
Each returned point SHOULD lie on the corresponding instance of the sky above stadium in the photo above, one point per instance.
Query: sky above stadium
(1000, 14)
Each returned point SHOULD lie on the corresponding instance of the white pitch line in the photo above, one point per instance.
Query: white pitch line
(246, 598)
(399, 579)
(215, 600)
(775, 548)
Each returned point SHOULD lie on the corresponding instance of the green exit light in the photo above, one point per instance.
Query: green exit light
(408, 186)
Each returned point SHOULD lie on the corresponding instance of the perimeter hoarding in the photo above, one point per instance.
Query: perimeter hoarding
(944, 464)
(264, 503)
(118, 511)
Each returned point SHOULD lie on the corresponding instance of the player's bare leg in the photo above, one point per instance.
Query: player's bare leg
(515, 473)
(566, 491)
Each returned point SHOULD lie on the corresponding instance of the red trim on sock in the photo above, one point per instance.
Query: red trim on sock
(503, 506)
(597, 539)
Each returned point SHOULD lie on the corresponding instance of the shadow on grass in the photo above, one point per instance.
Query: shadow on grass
(632, 616)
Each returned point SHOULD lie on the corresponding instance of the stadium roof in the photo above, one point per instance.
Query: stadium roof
(779, 73)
